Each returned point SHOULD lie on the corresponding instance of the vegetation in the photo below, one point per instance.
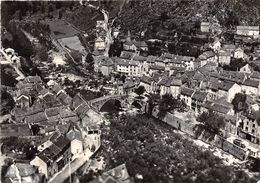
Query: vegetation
(152, 150)
(239, 103)
(169, 103)
(140, 90)
(7, 102)
(235, 65)
(211, 123)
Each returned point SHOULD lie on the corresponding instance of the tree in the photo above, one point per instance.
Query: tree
(7, 102)
(166, 104)
(211, 122)
(140, 90)
(239, 102)
(42, 54)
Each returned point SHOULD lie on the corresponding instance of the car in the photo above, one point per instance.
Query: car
(239, 143)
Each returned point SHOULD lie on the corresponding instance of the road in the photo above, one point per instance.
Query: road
(70, 168)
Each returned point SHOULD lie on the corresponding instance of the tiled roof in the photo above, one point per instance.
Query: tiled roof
(254, 28)
(52, 111)
(16, 130)
(25, 170)
(206, 55)
(224, 53)
(225, 85)
(187, 91)
(146, 79)
(127, 55)
(140, 44)
(200, 96)
(120, 61)
(74, 134)
(36, 118)
(217, 107)
(156, 67)
(176, 82)
(252, 83)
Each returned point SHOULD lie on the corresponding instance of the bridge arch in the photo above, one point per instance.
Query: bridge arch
(98, 103)
(110, 105)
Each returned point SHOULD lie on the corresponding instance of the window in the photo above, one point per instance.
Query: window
(246, 128)
(253, 131)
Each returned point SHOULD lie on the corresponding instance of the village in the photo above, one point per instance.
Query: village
(57, 128)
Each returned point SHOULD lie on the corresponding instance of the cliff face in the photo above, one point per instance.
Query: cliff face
(139, 15)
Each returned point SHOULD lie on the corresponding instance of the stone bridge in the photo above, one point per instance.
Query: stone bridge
(98, 103)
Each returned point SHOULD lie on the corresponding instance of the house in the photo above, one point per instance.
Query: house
(248, 30)
(221, 108)
(229, 48)
(22, 173)
(249, 127)
(228, 90)
(9, 51)
(188, 62)
(107, 67)
(146, 81)
(118, 174)
(36, 118)
(156, 68)
(224, 57)
(186, 94)
(206, 57)
(238, 53)
(205, 27)
(216, 45)
(92, 137)
(76, 141)
(52, 159)
(198, 98)
(100, 24)
(127, 55)
(164, 85)
(100, 44)
(23, 98)
(246, 69)
(15, 130)
(129, 46)
(127, 67)
(141, 45)
(250, 86)
(175, 87)
(255, 76)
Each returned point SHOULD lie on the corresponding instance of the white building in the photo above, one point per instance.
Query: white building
(248, 30)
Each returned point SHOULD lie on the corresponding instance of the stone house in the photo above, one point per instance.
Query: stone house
(239, 53)
(205, 27)
(228, 90)
(100, 44)
(246, 69)
(198, 98)
(175, 87)
(250, 86)
(52, 159)
(248, 30)
(107, 67)
(249, 127)
(206, 57)
(185, 95)
(224, 57)
(76, 142)
(146, 81)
